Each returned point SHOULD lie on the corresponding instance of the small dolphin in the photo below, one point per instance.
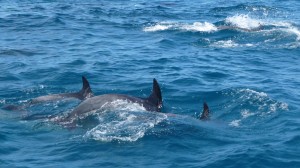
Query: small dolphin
(152, 103)
(84, 93)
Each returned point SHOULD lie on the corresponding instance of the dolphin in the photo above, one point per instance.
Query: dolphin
(151, 103)
(260, 27)
(85, 92)
(205, 113)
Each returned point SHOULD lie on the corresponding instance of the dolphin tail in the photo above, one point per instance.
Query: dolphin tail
(205, 113)
(155, 97)
(86, 91)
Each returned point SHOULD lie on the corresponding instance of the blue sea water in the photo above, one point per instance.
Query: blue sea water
(241, 57)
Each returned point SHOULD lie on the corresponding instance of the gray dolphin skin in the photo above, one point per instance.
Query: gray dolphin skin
(152, 103)
(84, 93)
(260, 27)
(205, 114)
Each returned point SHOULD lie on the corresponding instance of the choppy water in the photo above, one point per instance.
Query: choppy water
(241, 57)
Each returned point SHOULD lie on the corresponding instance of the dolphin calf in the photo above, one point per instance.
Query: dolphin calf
(151, 103)
(84, 93)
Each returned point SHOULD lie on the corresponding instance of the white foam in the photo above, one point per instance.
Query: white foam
(284, 106)
(243, 21)
(278, 105)
(294, 30)
(235, 123)
(246, 113)
(253, 92)
(127, 126)
(123, 105)
(225, 44)
(279, 23)
(285, 27)
(157, 27)
(196, 26)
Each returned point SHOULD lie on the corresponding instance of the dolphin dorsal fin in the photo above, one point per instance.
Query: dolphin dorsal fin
(155, 97)
(86, 91)
(205, 113)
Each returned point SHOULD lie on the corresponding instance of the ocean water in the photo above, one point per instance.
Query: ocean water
(241, 57)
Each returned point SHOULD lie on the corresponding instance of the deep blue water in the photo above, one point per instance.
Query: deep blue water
(248, 73)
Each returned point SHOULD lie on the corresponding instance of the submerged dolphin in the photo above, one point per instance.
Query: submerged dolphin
(84, 93)
(151, 103)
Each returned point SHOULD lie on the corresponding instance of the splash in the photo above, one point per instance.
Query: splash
(243, 21)
(124, 126)
(123, 121)
(201, 27)
(158, 27)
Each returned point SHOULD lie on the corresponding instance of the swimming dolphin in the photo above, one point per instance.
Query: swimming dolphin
(205, 113)
(84, 93)
(151, 103)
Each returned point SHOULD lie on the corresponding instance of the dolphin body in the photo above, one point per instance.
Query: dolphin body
(84, 93)
(151, 103)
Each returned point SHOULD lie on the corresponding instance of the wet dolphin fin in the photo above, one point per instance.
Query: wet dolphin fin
(155, 97)
(86, 91)
(205, 113)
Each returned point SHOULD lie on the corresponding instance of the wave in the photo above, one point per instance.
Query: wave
(248, 107)
(239, 30)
